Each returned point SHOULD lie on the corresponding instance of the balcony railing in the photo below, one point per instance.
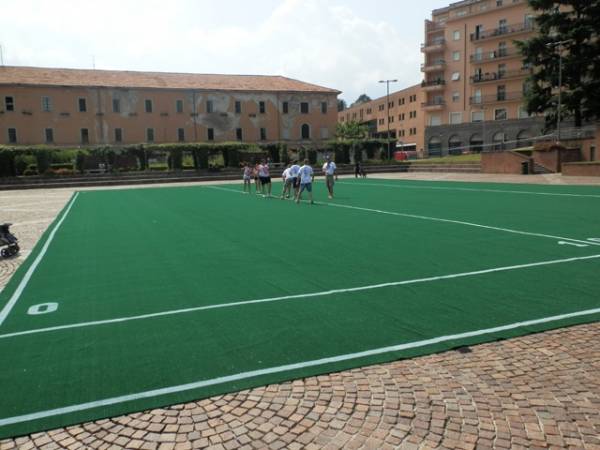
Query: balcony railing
(433, 45)
(493, 76)
(438, 64)
(437, 102)
(493, 55)
(433, 83)
(432, 27)
(503, 31)
(496, 98)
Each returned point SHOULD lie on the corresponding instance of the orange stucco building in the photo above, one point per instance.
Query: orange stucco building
(102, 107)
(406, 119)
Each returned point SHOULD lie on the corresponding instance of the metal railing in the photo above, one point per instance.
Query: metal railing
(493, 76)
(434, 42)
(431, 26)
(499, 97)
(503, 31)
(434, 102)
(493, 55)
(433, 83)
(433, 64)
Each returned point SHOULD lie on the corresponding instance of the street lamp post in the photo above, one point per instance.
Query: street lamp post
(558, 45)
(387, 82)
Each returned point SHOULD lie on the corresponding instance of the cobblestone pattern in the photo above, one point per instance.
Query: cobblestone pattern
(537, 391)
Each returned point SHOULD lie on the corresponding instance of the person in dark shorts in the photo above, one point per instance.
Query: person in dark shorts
(265, 178)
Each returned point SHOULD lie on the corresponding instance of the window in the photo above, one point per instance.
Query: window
(261, 107)
(369, 111)
(500, 114)
(401, 116)
(456, 35)
(501, 70)
(116, 105)
(455, 56)
(82, 105)
(12, 135)
(85, 136)
(9, 103)
(381, 121)
(390, 104)
(502, 50)
(209, 106)
(477, 97)
(286, 107)
(477, 116)
(434, 146)
(501, 93)
(210, 134)
(435, 120)
(46, 104)
(238, 134)
(305, 131)
(498, 139)
(263, 134)
(148, 106)
(454, 145)
(499, 2)
(502, 26)
(324, 133)
(118, 135)
(304, 108)
(455, 96)
(391, 119)
(238, 107)
(324, 108)
(455, 76)
(49, 135)
(455, 118)
(150, 134)
(180, 135)
(179, 106)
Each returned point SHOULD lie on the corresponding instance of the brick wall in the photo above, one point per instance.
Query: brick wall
(504, 162)
(581, 169)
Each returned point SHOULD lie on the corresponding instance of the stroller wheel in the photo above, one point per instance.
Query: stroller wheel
(4, 253)
(14, 250)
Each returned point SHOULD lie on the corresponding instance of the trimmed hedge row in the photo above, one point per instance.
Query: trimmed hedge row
(40, 159)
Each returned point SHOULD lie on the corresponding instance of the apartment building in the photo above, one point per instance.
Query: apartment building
(103, 107)
(403, 114)
(474, 77)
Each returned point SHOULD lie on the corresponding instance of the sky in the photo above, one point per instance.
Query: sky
(348, 45)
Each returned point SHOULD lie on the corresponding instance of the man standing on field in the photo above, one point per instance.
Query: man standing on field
(306, 179)
(329, 168)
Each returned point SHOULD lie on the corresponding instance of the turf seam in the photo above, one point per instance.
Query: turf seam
(297, 296)
(285, 368)
(23, 283)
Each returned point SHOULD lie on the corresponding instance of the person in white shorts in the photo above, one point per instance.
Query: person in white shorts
(247, 178)
(307, 177)
(329, 168)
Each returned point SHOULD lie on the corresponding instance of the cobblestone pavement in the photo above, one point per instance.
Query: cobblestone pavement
(537, 391)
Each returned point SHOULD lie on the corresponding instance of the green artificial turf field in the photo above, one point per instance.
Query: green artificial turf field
(139, 298)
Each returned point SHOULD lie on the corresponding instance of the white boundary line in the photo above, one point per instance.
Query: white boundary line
(438, 219)
(412, 186)
(296, 296)
(17, 294)
(284, 368)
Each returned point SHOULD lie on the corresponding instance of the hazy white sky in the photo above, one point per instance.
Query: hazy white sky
(344, 44)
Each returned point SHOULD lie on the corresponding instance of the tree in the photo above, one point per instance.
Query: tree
(351, 130)
(363, 98)
(578, 22)
(341, 104)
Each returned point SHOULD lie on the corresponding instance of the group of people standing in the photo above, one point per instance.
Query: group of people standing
(295, 177)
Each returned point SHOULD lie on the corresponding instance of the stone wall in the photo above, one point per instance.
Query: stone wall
(585, 169)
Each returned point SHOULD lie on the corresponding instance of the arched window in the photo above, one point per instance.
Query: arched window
(454, 145)
(498, 140)
(434, 146)
(305, 131)
(476, 143)
(524, 139)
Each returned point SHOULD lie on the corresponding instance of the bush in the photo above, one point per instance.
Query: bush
(43, 159)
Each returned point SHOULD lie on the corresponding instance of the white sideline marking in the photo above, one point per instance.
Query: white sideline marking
(296, 296)
(438, 219)
(412, 186)
(284, 368)
(8, 307)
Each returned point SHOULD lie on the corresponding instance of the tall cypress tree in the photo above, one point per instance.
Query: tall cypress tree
(578, 22)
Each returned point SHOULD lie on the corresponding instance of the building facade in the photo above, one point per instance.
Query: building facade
(403, 115)
(100, 107)
(474, 76)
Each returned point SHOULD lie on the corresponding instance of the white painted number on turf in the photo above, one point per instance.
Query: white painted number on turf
(42, 308)
(574, 244)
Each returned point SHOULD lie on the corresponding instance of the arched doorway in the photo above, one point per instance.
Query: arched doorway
(498, 140)
(524, 139)
(434, 146)
(476, 143)
(454, 145)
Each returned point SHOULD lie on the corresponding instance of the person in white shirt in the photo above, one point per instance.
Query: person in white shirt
(285, 176)
(329, 168)
(307, 177)
(265, 178)
(294, 171)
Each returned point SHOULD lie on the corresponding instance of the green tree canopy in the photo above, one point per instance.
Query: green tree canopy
(351, 130)
(578, 23)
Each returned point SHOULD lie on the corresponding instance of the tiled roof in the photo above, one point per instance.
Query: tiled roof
(42, 76)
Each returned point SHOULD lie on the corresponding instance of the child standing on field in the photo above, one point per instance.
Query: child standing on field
(247, 178)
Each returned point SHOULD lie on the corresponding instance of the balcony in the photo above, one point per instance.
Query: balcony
(497, 98)
(433, 85)
(434, 105)
(433, 66)
(432, 27)
(435, 45)
(496, 76)
(494, 55)
(503, 31)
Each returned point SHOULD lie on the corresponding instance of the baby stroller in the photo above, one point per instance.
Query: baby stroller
(8, 242)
